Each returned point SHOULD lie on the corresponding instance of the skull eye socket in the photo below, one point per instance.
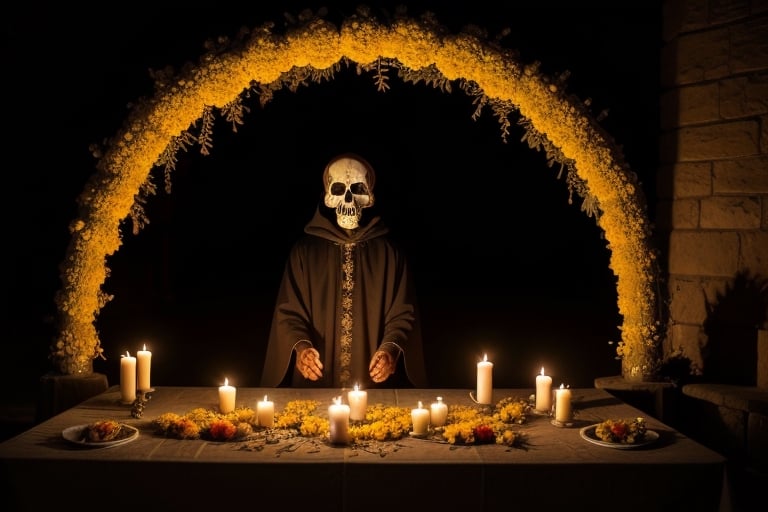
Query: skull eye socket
(338, 188)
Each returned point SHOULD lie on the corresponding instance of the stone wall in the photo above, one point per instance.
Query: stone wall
(712, 210)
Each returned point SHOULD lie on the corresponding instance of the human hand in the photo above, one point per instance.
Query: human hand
(308, 363)
(382, 366)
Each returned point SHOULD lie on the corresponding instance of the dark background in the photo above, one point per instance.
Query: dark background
(504, 265)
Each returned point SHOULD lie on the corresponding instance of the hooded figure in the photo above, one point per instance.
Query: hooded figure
(345, 312)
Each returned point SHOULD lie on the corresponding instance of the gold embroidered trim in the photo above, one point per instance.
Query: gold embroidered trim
(347, 285)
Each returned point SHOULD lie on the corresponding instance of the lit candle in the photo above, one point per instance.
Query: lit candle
(438, 413)
(563, 404)
(227, 397)
(543, 392)
(127, 378)
(358, 402)
(484, 380)
(420, 420)
(265, 413)
(338, 418)
(143, 365)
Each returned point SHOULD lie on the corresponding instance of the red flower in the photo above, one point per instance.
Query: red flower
(222, 430)
(619, 429)
(484, 434)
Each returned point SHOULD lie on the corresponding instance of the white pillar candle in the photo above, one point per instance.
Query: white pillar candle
(358, 403)
(227, 397)
(438, 413)
(543, 392)
(420, 420)
(143, 365)
(338, 419)
(563, 404)
(265, 413)
(127, 378)
(484, 381)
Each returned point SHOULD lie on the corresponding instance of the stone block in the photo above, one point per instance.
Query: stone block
(703, 253)
(692, 179)
(730, 212)
(744, 96)
(748, 175)
(718, 141)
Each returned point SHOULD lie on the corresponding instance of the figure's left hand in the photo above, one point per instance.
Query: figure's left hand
(382, 366)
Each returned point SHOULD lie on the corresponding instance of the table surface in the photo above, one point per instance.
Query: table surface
(482, 474)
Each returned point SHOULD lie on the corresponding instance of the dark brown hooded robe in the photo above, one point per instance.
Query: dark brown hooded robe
(313, 304)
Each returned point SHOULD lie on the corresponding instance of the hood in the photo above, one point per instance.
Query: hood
(323, 227)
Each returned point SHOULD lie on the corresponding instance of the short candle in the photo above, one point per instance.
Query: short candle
(127, 378)
(227, 397)
(338, 419)
(543, 392)
(438, 413)
(265, 413)
(563, 404)
(484, 381)
(420, 419)
(358, 403)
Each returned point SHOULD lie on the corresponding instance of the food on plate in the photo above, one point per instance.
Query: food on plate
(100, 431)
(624, 431)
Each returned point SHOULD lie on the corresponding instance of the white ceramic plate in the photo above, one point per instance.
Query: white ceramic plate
(588, 433)
(75, 435)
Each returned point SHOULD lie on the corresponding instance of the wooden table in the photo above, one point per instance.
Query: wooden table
(559, 470)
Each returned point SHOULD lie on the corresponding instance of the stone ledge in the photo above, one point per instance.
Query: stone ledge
(654, 398)
(744, 398)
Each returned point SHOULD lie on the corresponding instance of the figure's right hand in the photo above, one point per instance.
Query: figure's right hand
(309, 364)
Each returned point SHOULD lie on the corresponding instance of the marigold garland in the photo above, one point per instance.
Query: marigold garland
(465, 424)
(417, 49)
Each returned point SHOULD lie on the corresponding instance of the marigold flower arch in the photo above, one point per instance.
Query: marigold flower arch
(158, 127)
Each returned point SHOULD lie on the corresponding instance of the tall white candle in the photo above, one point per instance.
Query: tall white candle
(438, 413)
(563, 404)
(338, 418)
(484, 381)
(265, 413)
(143, 365)
(127, 378)
(420, 420)
(227, 397)
(358, 403)
(543, 392)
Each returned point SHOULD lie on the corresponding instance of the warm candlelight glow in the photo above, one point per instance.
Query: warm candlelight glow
(438, 413)
(143, 368)
(543, 392)
(420, 420)
(265, 413)
(358, 403)
(338, 418)
(563, 404)
(484, 381)
(227, 395)
(127, 378)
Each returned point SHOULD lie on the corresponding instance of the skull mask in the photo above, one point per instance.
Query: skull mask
(348, 184)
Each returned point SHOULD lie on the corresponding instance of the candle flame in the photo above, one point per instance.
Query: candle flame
(357, 387)
(485, 357)
(127, 354)
(562, 386)
(420, 406)
(226, 382)
(542, 370)
(145, 347)
(337, 400)
(265, 398)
